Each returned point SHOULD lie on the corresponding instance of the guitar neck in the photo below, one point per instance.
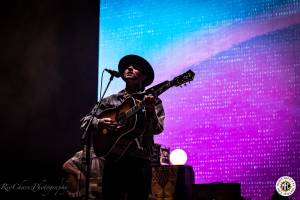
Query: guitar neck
(159, 88)
(155, 90)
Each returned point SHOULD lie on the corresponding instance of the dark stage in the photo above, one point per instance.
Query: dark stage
(49, 63)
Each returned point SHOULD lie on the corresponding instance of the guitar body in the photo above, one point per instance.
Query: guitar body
(115, 139)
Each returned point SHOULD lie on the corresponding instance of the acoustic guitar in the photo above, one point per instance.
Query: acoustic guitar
(117, 137)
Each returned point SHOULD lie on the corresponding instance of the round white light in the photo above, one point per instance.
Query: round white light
(178, 157)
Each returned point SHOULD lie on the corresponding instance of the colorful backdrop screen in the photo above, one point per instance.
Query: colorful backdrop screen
(238, 120)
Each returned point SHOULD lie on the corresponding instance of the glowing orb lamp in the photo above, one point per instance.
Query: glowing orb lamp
(178, 157)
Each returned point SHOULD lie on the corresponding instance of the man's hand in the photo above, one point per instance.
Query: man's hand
(150, 103)
(96, 122)
(105, 121)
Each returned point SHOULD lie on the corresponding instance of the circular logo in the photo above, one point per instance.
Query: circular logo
(285, 186)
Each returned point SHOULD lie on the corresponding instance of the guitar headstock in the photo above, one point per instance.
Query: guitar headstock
(183, 78)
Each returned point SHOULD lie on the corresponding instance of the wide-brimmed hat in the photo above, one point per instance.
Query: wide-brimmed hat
(140, 63)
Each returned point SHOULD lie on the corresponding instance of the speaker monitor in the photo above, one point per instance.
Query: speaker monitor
(217, 191)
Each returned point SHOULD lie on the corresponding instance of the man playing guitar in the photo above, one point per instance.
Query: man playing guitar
(127, 169)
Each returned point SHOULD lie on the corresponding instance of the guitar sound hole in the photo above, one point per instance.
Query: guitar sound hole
(104, 131)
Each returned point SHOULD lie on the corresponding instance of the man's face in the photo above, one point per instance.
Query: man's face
(131, 73)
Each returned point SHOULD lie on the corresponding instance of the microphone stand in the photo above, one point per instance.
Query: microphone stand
(87, 138)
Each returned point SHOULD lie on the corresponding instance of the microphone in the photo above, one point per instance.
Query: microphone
(113, 73)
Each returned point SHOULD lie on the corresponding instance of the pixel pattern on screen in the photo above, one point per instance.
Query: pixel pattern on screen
(238, 120)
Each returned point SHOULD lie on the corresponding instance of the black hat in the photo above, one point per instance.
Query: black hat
(141, 64)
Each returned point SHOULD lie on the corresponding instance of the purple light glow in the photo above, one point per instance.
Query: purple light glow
(238, 120)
